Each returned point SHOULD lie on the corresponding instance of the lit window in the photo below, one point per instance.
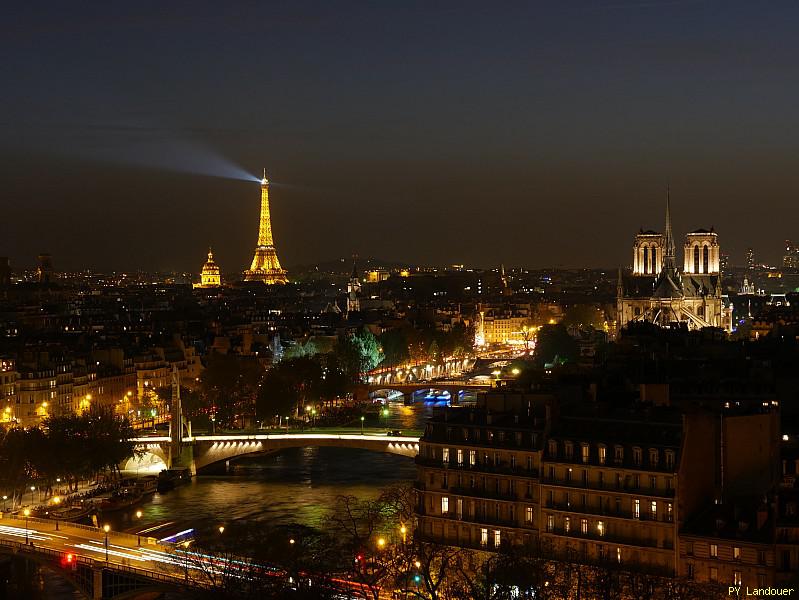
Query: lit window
(618, 554)
(484, 537)
(528, 514)
(736, 552)
(497, 538)
(445, 455)
(636, 509)
(460, 457)
(584, 453)
(736, 577)
(472, 458)
(600, 528)
(444, 505)
(653, 510)
(584, 526)
(602, 454)
(550, 522)
(567, 524)
(714, 550)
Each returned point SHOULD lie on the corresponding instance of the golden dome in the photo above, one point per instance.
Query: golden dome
(209, 276)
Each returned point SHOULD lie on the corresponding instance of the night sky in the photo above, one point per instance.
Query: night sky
(532, 133)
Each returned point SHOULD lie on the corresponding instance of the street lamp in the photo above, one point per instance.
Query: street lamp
(138, 533)
(106, 528)
(33, 487)
(5, 498)
(403, 531)
(381, 542)
(221, 529)
(27, 513)
(362, 419)
(186, 554)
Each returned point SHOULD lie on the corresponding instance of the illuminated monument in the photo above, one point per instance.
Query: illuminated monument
(265, 265)
(209, 276)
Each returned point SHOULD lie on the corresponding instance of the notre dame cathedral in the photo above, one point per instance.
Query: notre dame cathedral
(659, 292)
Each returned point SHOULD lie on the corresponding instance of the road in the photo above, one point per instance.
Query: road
(124, 551)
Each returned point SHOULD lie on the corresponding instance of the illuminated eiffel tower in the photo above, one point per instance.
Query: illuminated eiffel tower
(265, 265)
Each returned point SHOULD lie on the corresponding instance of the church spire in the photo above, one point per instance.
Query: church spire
(668, 258)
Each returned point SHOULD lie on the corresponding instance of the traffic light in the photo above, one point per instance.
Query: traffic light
(69, 560)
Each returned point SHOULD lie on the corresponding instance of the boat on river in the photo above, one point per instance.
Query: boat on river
(168, 479)
(120, 499)
(73, 513)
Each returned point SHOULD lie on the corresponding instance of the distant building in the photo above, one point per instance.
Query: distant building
(724, 263)
(377, 275)
(658, 292)
(265, 264)
(209, 276)
(44, 270)
(5, 271)
(353, 290)
(750, 258)
(791, 258)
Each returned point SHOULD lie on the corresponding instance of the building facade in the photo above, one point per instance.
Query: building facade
(691, 296)
(628, 489)
(210, 276)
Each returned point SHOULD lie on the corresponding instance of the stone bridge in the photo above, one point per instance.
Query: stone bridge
(364, 392)
(201, 451)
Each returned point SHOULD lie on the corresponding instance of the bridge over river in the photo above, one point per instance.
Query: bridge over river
(197, 452)
(101, 564)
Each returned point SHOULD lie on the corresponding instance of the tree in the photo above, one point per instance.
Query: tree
(289, 386)
(554, 342)
(358, 353)
(229, 387)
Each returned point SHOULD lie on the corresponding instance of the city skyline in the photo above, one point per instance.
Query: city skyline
(394, 132)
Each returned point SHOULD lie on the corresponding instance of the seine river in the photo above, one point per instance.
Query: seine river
(299, 485)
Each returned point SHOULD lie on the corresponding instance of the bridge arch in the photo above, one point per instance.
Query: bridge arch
(209, 451)
(152, 458)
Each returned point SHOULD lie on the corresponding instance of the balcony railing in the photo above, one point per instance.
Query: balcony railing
(611, 538)
(577, 507)
(502, 468)
(625, 488)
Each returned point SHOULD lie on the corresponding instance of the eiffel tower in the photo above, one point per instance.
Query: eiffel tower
(265, 265)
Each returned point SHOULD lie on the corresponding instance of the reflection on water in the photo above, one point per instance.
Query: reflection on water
(299, 485)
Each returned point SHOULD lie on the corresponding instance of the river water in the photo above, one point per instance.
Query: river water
(298, 485)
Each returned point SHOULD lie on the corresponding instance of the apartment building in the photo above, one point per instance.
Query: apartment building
(629, 488)
(479, 473)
